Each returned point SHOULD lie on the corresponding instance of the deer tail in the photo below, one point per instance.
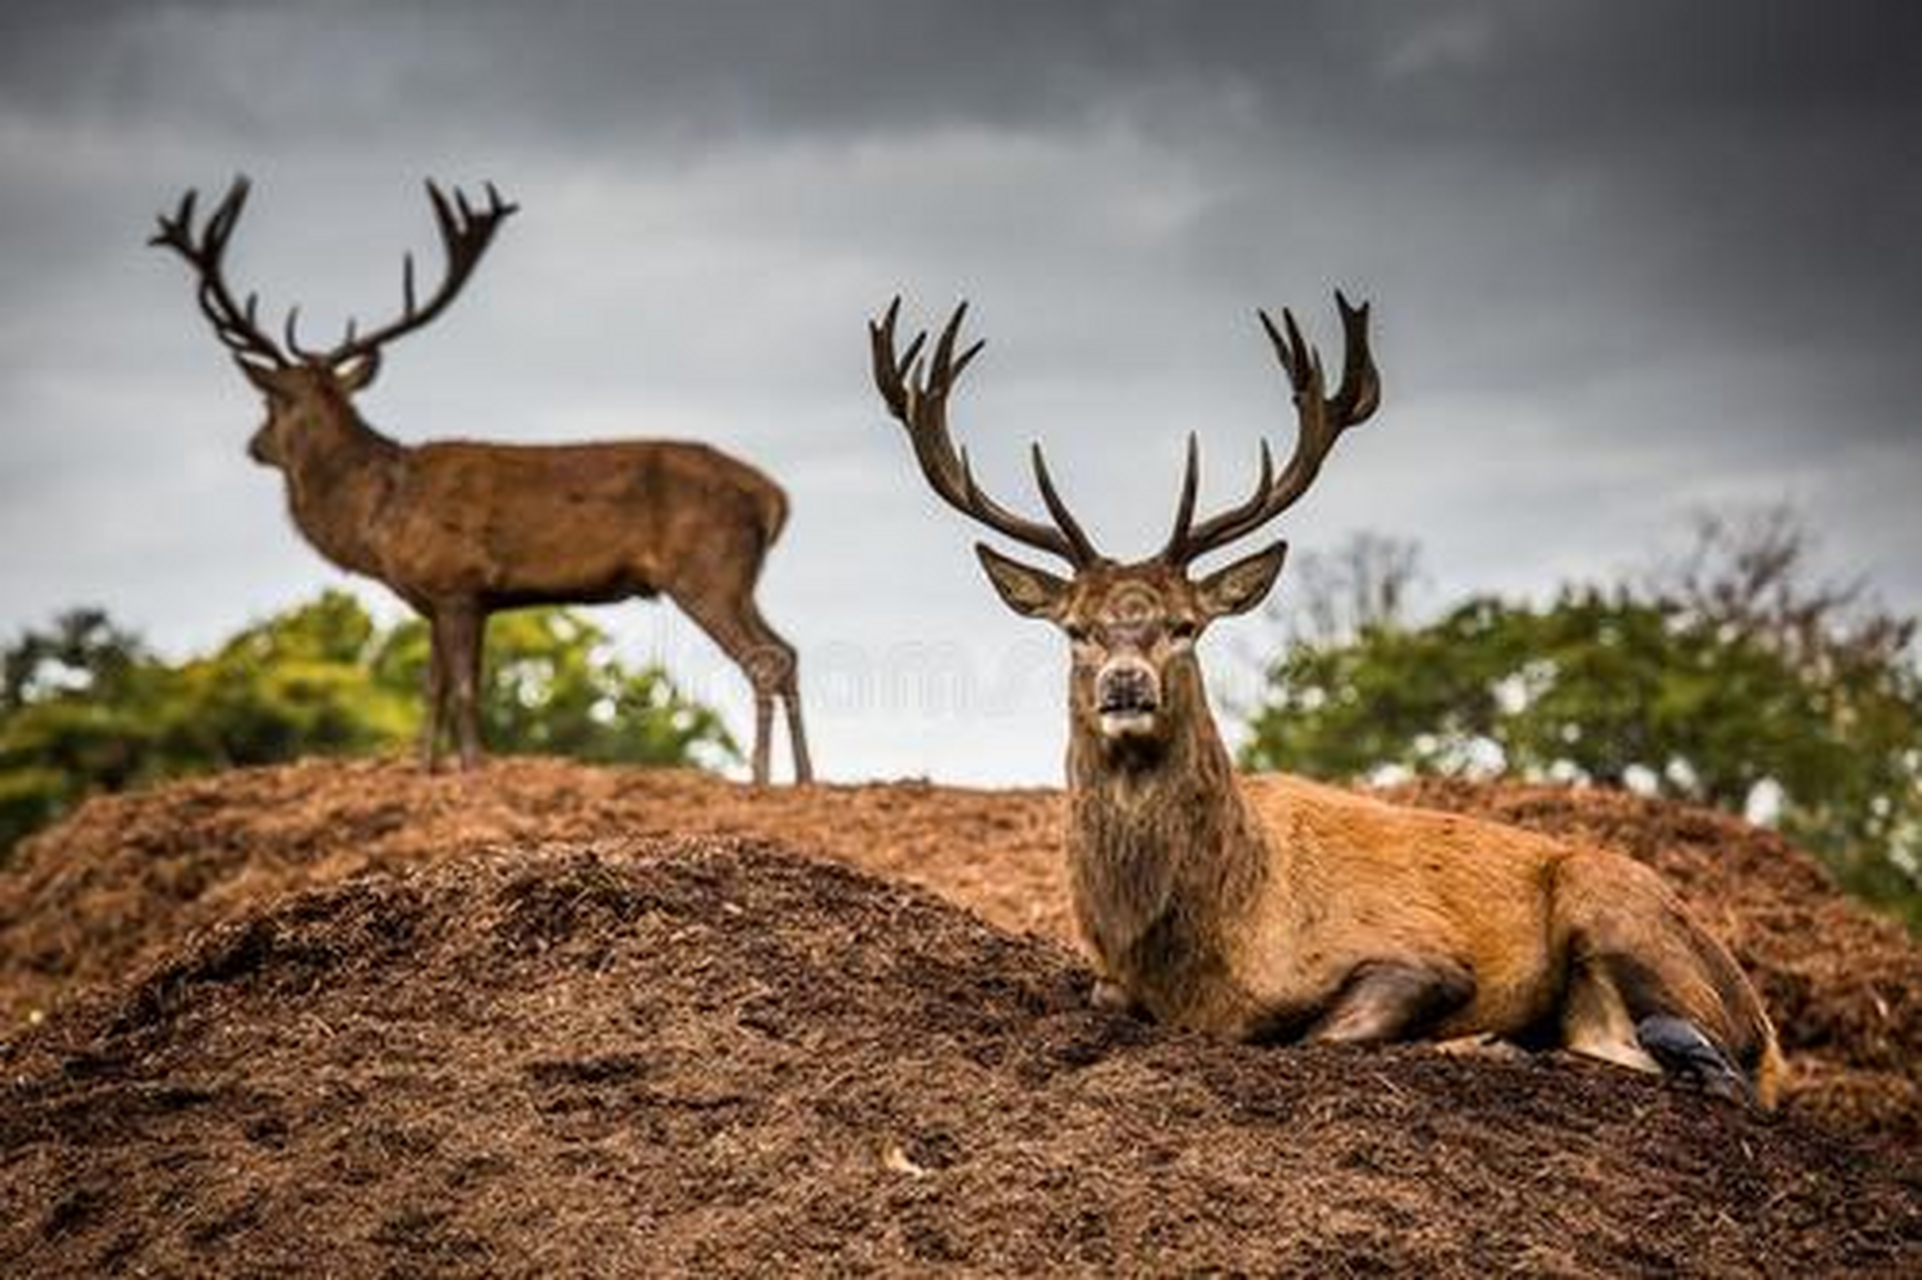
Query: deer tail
(773, 510)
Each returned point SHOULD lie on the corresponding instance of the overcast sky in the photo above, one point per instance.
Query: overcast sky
(1628, 260)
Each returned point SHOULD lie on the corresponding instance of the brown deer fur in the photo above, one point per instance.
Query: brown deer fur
(1275, 909)
(460, 529)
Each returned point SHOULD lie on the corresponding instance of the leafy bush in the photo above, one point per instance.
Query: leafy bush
(1732, 683)
(85, 707)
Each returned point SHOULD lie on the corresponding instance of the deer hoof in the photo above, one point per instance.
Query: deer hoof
(1110, 997)
(1681, 1049)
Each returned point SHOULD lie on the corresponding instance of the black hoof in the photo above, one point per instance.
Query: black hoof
(1680, 1048)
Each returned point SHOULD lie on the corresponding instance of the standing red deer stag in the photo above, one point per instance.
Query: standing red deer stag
(1275, 909)
(460, 529)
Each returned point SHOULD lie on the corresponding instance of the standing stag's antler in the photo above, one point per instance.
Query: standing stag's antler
(1321, 422)
(235, 324)
(465, 233)
(916, 392)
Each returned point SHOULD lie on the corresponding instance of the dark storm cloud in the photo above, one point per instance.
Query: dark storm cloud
(1535, 73)
(1756, 157)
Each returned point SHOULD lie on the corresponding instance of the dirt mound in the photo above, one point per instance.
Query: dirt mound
(127, 877)
(709, 1056)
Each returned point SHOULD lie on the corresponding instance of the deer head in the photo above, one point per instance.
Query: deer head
(1132, 627)
(308, 392)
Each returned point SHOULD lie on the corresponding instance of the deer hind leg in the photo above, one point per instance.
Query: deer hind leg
(1621, 1010)
(1596, 1022)
(1388, 1000)
(761, 655)
(1648, 990)
(797, 736)
(1618, 1010)
(786, 664)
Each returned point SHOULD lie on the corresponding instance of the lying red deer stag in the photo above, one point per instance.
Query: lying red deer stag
(460, 529)
(1273, 909)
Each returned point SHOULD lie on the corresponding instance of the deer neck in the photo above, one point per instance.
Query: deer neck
(1164, 853)
(341, 474)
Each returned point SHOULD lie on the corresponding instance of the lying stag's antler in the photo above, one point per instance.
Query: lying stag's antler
(918, 397)
(1322, 420)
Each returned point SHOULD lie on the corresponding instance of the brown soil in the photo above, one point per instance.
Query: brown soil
(127, 877)
(710, 1056)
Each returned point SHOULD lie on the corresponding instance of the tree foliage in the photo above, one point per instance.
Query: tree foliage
(1730, 679)
(86, 707)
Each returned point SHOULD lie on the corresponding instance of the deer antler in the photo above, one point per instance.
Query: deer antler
(1321, 422)
(465, 233)
(235, 324)
(916, 392)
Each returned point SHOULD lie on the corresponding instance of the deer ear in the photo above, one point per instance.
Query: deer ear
(1026, 590)
(358, 373)
(1242, 585)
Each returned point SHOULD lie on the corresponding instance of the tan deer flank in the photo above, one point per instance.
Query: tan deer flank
(1275, 909)
(460, 529)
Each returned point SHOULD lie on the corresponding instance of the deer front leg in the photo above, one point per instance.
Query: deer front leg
(1387, 1000)
(1110, 996)
(433, 717)
(464, 625)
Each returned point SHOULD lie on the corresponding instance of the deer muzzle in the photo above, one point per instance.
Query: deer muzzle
(260, 447)
(1127, 695)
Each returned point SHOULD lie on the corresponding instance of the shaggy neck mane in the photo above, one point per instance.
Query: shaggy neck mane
(1163, 849)
(338, 485)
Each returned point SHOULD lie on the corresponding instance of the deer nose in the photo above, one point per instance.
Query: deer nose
(1126, 689)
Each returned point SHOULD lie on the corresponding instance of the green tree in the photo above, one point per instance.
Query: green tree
(555, 687)
(1726, 683)
(84, 707)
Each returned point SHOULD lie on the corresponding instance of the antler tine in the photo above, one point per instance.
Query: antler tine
(465, 233)
(1189, 542)
(916, 393)
(1320, 422)
(944, 366)
(890, 374)
(292, 328)
(1185, 507)
(236, 326)
(443, 214)
(1360, 393)
(172, 230)
(1058, 510)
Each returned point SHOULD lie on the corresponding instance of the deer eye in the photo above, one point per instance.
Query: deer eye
(1077, 633)
(1182, 628)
